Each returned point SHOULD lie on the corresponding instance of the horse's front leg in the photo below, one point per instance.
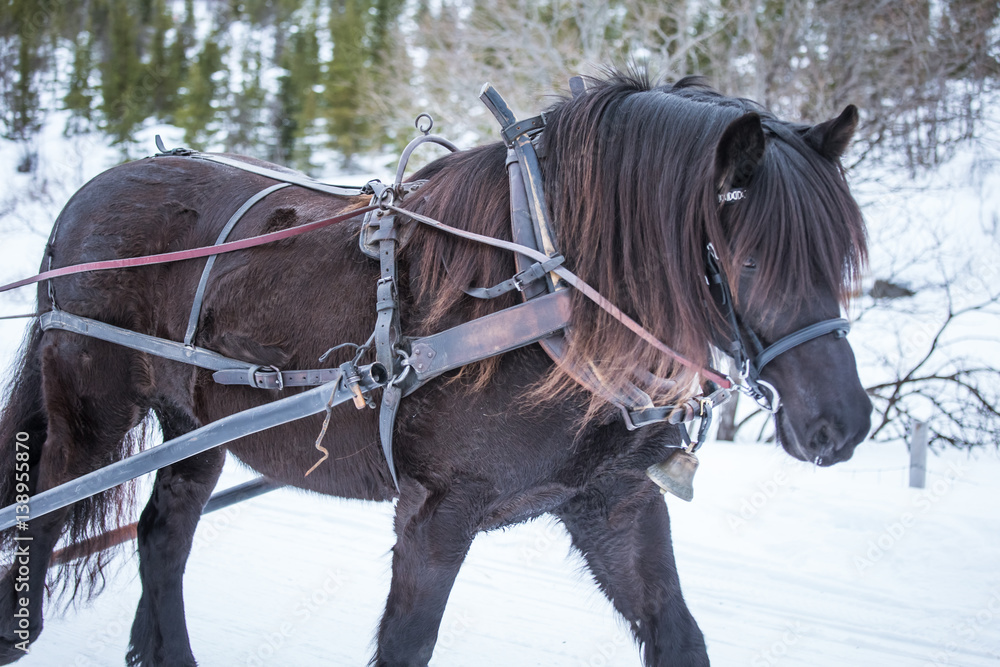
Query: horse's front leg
(620, 525)
(434, 530)
(165, 534)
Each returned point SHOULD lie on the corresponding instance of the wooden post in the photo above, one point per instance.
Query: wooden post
(918, 455)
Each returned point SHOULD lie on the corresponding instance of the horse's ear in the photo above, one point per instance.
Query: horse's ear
(831, 139)
(739, 152)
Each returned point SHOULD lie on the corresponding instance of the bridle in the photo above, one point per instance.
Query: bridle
(751, 358)
(531, 227)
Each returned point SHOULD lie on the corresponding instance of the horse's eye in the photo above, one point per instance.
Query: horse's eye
(750, 263)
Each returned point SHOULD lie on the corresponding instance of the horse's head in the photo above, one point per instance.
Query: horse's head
(632, 177)
(794, 245)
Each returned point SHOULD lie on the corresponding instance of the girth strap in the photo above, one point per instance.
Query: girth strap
(60, 319)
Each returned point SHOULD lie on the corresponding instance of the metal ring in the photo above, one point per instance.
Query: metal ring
(386, 199)
(425, 128)
(773, 404)
(406, 367)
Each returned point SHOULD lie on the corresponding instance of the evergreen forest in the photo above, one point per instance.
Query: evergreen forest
(286, 79)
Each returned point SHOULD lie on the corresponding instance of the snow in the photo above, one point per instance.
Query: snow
(781, 563)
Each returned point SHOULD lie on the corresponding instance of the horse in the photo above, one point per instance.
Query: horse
(633, 172)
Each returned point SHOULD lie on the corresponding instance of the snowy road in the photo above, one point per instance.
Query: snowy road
(782, 564)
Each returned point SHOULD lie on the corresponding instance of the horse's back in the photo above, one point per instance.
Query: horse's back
(281, 304)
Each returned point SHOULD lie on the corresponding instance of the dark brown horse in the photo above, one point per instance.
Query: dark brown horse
(632, 177)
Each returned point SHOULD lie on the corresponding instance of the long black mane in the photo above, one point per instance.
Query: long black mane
(631, 185)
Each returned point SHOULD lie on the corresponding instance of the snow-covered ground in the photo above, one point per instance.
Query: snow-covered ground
(781, 563)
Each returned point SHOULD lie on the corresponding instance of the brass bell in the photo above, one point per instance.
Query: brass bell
(675, 474)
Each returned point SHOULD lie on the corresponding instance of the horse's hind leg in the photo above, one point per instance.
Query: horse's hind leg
(434, 531)
(165, 534)
(620, 525)
(83, 404)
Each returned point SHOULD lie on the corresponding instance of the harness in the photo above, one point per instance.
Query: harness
(402, 365)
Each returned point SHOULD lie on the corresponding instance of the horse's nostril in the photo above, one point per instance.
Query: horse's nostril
(825, 441)
(821, 439)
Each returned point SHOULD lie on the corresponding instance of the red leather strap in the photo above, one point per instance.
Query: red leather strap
(194, 253)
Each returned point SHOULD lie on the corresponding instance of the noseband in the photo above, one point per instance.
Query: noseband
(752, 359)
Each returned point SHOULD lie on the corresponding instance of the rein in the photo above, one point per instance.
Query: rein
(574, 280)
(194, 253)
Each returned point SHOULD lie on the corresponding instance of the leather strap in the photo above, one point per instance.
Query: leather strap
(199, 294)
(576, 282)
(219, 432)
(387, 320)
(391, 397)
(194, 253)
(838, 326)
(291, 177)
(522, 230)
(519, 282)
(489, 336)
(269, 378)
(60, 319)
(526, 126)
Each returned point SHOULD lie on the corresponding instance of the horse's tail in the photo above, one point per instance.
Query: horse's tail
(22, 425)
(23, 434)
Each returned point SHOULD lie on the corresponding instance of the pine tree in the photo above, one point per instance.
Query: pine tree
(297, 95)
(79, 98)
(123, 103)
(199, 104)
(164, 69)
(22, 116)
(250, 104)
(346, 85)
